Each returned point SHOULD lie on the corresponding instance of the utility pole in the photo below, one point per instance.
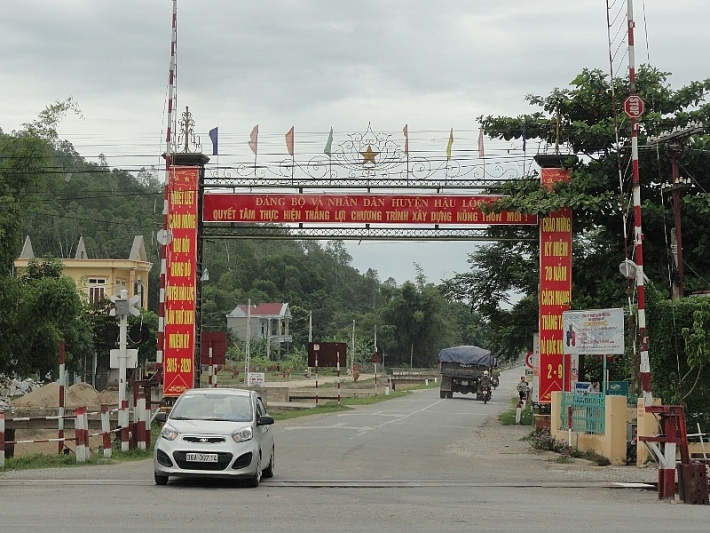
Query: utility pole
(675, 142)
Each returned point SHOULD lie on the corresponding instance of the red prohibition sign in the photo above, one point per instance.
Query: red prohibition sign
(634, 106)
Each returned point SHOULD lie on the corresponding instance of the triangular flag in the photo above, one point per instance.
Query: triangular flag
(213, 138)
(480, 143)
(450, 144)
(328, 145)
(406, 140)
(289, 141)
(254, 139)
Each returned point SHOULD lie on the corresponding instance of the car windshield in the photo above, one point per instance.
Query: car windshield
(198, 406)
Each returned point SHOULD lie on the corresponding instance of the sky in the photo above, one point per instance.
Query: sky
(320, 64)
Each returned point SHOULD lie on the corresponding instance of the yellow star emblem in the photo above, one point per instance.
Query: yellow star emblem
(368, 156)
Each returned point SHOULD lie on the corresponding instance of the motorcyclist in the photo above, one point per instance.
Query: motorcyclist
(485, 382)
(495, 375)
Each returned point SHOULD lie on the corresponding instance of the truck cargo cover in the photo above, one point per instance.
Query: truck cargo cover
(469, 355)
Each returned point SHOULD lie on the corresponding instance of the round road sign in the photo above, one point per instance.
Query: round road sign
(529, 360)
(634, 106)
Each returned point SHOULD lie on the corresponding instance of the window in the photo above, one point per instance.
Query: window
(97, 289)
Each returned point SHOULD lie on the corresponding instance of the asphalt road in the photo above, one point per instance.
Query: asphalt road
(417, 463)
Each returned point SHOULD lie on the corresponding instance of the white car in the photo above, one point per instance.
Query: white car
(224, 433)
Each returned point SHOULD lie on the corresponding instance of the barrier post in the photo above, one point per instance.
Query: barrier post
(85, 425)
(79, 435)
(2, 439)
(106, 430)
(62, 381)
(140, 422)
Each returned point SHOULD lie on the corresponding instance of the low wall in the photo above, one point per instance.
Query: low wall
(611, 445)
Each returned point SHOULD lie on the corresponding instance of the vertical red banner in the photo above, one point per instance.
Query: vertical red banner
(555, 288)
(180, 286)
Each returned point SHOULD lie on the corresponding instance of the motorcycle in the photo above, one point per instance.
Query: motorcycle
(485, 393)
(495, 383)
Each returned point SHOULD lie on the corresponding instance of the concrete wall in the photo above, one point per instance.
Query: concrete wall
(611, 445)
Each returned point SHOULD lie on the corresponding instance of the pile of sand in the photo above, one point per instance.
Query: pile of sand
(79, 395)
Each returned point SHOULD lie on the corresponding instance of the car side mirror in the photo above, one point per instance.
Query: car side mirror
(265, 420)
(161, 416)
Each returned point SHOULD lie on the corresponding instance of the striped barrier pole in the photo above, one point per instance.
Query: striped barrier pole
(79, 434)
(106, 430)
(62, 397)
(2, 439)
(140, 416)
(123, 422)
(85, 426)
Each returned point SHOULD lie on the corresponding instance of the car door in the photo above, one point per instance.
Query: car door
(266, 435)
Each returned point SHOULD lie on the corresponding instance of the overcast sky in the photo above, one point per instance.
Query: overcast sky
(317, 64)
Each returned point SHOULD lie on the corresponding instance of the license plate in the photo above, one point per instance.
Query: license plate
(201, 457)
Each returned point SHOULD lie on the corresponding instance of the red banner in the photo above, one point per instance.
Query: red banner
(181, 265)
(555, 288)
(357, 209)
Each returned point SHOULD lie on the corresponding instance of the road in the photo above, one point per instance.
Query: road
(417, 463)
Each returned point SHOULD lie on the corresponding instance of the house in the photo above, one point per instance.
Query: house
(267, 320)
(102, 278)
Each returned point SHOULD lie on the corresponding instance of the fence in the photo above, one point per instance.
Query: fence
(587, 410)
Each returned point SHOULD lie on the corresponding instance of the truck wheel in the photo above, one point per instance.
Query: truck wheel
(442, 394)
(450, 394)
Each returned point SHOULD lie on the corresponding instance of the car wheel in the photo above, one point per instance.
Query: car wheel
(256, 478)
(160, 479)
(269, 470)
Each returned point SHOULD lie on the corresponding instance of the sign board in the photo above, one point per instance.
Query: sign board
(583, 386)
(180, 281)
(529, 360)
(328, 354)
(634, 106)
(131, 358)
(617, 388)
(357, 208)
(594, 331)
(255, 379)
(218, 341)
(535, 395)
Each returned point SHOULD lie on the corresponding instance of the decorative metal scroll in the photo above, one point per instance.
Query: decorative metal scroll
(367, 160)
(268, 231)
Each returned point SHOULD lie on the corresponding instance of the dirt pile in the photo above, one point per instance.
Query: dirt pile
(79, 395)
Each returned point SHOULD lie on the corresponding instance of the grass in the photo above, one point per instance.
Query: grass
(507, 418)
(542, 440)
(68, 460)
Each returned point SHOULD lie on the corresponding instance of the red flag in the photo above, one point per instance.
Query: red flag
(406, 139)
(289, 141)
(254, 138)
(480, 143)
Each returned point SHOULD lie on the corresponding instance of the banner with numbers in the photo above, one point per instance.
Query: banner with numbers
(180, 284)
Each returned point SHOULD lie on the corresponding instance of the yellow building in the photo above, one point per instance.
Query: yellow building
(102, 278)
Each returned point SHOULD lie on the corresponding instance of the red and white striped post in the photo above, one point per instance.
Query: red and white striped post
(337, 354)
(210, 367)
(140, 422)
(123, 421)
(316, 367)
(106, 430)
(644, 364)
(80, 434)
(62, 397)
(172, 105)
(2, 439)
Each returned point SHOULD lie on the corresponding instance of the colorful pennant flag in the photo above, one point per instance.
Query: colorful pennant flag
(254, 139)
(406, 140)
(289, 141)
(481, 153)
(329, 144)
(450, 144)
(213, 138)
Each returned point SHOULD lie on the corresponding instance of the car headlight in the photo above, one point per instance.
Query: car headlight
(168, 432)
(242, 435)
